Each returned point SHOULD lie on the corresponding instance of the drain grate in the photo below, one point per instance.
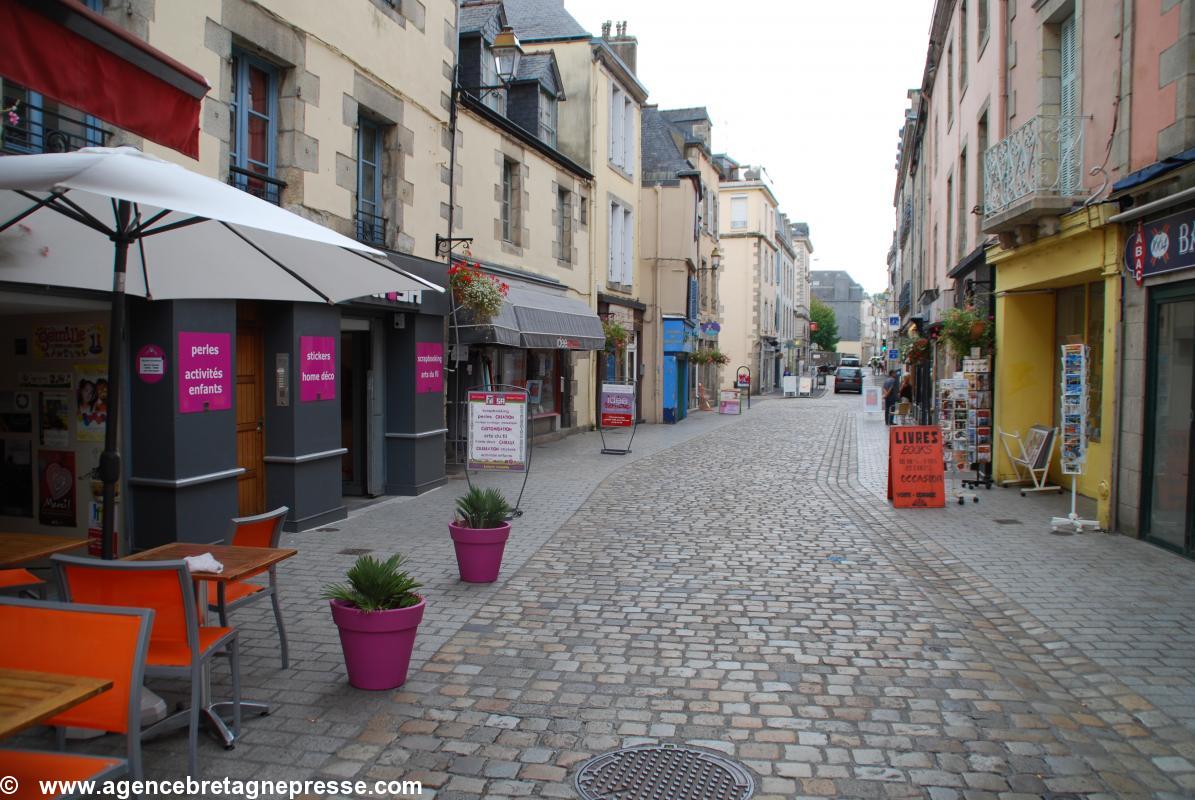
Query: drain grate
(1007, 521)
(354, 551)
(326, 530)
(663, 772)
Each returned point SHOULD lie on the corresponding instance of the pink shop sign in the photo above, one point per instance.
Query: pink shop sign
(317, 368)
(429, 367)
(204, 372)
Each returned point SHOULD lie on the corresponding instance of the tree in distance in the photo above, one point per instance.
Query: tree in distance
(826, 335)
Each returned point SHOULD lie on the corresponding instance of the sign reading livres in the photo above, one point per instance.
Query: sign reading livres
(916, 475)
(317, 368)
(498, 431)
(429, 367)
(204, 372)
(618, 405)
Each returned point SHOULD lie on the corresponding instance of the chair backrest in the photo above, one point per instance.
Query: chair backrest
(164, 586)
(261, 530)
(87, 640)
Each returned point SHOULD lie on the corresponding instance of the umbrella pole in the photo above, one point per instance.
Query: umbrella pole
(110, 459)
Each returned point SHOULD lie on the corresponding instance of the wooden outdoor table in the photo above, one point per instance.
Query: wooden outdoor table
(239, 562)
(17, 548)
(27, 698)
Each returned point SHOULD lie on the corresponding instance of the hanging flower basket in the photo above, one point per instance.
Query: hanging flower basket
(617, 336)
(475, 291)
(918, 351)
(964, 328)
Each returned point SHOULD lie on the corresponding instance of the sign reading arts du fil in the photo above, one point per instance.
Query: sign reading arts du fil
(204, 372)
(317, 368)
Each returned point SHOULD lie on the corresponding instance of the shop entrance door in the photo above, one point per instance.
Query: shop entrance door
(354, 405)
(250, 411)
(1170, 422)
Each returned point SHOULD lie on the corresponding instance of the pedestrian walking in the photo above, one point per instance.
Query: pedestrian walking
(890, 392)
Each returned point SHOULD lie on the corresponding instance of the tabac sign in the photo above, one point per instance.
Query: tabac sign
(1162, 245)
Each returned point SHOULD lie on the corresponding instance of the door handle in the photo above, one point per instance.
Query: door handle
(260, 424)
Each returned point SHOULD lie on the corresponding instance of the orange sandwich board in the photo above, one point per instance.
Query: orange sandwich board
(916, 476)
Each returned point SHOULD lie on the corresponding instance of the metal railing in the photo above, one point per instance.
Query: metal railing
(256, 184)
(43, 130)
(371, 229)
(906, 296)
(1043, 155)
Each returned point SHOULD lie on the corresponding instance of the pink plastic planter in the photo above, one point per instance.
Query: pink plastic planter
(479, 551)
(377, 644)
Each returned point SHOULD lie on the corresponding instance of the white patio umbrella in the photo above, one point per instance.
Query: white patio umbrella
(174, 234)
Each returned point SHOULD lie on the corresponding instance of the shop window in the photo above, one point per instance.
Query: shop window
(542, 379)
(564, 225)
(1079, 317)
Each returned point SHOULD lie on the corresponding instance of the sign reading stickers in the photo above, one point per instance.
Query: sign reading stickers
(429, 367)
(618, 405)
(204, 372)
(317, 368)
(498, 431)
(916, 475)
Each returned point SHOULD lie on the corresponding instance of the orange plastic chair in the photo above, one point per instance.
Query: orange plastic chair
(21, 580)
(29, 767)
(178, 646)
(262, 530)
(50, 637)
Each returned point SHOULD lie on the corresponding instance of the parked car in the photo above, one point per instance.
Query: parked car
(849, 361)
(848, 379)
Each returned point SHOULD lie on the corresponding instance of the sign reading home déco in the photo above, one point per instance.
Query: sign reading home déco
(1162, 245)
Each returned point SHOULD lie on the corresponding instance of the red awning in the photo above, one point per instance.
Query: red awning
(67, 52)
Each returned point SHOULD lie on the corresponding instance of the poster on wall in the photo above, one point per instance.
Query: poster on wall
(68, 341)
(16, 412)
(56, 494)
(16, 478)
(317, 368)
(498, 431)
(91, 403)
(204, 372)
(429, 367)
(55, 419)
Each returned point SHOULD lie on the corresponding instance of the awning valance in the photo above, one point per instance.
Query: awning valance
(531, 318)
(65, 51)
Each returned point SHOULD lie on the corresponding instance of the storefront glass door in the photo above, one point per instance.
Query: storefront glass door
(1169, 422)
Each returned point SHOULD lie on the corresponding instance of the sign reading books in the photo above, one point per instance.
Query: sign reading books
(916, 478)
(204, 372)
(317, 368)
(498, 431)
(618, 405)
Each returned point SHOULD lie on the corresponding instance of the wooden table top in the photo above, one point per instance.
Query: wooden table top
(27, 698)
(17, 548)
(238, 561)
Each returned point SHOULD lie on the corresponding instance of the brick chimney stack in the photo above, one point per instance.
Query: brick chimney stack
(623, 45)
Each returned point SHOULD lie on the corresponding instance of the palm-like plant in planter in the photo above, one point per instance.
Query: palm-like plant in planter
(378, 613)
(479, 534)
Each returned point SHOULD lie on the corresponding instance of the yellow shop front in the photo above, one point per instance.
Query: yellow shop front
(1058, 290)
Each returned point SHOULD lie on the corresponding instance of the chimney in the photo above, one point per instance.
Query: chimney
(624, 46)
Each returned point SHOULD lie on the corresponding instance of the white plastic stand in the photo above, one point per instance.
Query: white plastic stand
(1073, 520)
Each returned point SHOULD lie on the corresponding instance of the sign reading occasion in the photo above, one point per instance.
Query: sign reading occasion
(916, 475)
(317, 368)
(498, 431)
(204, 372)
(618, 405)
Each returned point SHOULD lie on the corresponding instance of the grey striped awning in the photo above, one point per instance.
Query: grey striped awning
(535, 319)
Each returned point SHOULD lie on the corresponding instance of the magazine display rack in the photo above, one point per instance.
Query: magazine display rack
(1030, 458)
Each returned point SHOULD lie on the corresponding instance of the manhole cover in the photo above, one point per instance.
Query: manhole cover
(1007, 521)
(663, 772)
(354, 551)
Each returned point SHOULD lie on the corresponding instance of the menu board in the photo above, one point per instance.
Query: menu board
(498, 431)
(1074, 408)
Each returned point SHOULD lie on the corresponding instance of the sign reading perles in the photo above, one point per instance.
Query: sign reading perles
(498, 431)
(204, 372)
(429, 367)
(317, 368)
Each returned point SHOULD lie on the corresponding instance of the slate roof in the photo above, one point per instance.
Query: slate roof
(694, 114)
(800, 229)
(663, 159)
(541, 68)
(537, 20)
(483, 18)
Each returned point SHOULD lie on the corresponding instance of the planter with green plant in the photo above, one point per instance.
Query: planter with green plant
(479, 534)
(964, 328)
(378, 613)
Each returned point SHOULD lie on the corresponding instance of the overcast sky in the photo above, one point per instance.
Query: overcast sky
(814, 91)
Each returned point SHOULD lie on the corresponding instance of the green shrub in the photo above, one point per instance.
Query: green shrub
(375, 585)
(482, 508)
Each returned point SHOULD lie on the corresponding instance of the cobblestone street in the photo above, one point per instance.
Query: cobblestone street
(739, 584)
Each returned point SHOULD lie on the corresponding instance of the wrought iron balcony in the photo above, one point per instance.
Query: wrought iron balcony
(906, 296)
(371, 229)
(1036, 171)
(257, 184)
(54, 129)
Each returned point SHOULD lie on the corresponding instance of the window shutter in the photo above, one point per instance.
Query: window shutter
(1068, 127)
(628, 136)
(614, 240)
(628, 248)
(615, 121)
